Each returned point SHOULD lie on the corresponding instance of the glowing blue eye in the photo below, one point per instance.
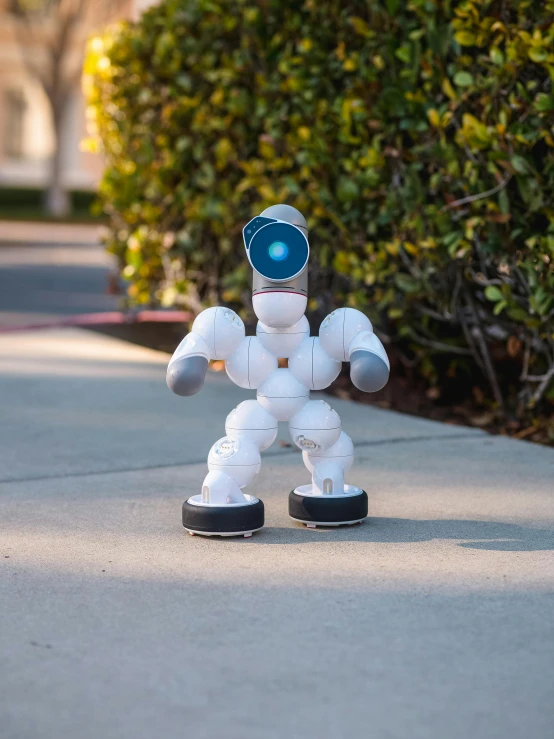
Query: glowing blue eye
(278, 251)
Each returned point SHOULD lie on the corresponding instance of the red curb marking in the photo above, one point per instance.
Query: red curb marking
(114, 317)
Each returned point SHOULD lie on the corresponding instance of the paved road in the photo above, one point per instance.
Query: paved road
(43, 280)
(433, 620)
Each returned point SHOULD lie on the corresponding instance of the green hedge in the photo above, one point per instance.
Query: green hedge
(31, 198)
(416, 137)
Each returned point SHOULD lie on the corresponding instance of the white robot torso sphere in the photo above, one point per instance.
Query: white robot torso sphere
(238, 457)
(316, 427)
(311, 364)
(282, 395)
(251, 364)
(342, 452)
(279, 309)
(339, 328)
(282, 342)
(251, 420)
(221, 329)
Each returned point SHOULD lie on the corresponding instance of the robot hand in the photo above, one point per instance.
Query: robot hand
(369, 364)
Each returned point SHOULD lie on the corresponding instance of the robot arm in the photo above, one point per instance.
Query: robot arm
(347, 336)
(188, 365)
(216, 334)
(369, 364)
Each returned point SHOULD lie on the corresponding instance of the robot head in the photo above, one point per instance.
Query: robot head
(277, 247)
(276, 243)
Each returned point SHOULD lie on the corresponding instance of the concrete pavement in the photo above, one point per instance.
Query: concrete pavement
(58, 270)
(40, 283)
(433, 620)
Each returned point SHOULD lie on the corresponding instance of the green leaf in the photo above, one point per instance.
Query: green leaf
(544, 102)
(359, 25)
(531, 192)
(463, 79)
(493, 293)
(503, 201)
(347, 189)
(497, 57)
(465, 38)
(404, 53)
(407, 283)
(519, 164)
(538, 54)
(518, 314)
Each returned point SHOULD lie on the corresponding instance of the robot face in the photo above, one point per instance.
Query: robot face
(277, 250)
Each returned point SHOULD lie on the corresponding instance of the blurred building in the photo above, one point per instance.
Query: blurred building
(26, 131)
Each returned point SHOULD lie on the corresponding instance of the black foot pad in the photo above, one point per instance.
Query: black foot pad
(331, 510)
(223, 519)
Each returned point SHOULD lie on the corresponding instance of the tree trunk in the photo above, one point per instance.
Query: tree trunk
(57, 201)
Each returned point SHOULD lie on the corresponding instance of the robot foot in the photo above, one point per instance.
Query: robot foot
(232, 519)
(327, 510)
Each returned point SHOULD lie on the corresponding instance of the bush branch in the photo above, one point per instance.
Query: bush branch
(485, 354)
(441, 346)
(478, 196)
(543, 385)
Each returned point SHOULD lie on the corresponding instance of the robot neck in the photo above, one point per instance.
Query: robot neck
(298, 284)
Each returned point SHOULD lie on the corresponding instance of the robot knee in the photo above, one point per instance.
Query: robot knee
(249, 419)
(236, 456)
(315, 427)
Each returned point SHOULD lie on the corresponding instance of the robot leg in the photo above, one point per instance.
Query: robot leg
(328, 501)
(222, 509)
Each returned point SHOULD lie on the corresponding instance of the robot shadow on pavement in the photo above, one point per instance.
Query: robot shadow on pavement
(277, 247)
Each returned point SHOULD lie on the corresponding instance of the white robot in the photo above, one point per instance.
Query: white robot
(277, 247)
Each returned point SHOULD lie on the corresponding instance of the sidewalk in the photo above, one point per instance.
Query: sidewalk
(432, 620)
(40, 282)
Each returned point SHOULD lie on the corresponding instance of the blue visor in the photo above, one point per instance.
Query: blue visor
(278, 251)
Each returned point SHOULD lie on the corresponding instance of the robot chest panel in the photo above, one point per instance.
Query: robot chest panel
(282, 342)
(282, 394)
